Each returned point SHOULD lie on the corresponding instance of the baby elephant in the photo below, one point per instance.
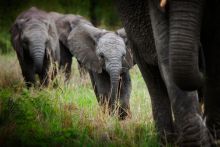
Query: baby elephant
(64, 24)
(103, 53)
(35, 40)
(108, 60)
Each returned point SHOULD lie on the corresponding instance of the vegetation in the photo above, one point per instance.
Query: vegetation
(68, 114)
(101, 13)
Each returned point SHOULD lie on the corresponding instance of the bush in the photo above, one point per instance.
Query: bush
(5, 44)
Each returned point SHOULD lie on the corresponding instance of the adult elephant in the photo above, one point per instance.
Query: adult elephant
(35, 40)
(166, 43)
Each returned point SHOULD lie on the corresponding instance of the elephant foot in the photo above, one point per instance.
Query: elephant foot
(124, 113)
(194, 133)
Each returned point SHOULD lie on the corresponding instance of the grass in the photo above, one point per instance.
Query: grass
(69, 114)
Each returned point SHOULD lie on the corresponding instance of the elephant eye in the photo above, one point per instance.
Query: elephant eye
(25, 43)
(101, 56)
(47, 42)
(123, 56)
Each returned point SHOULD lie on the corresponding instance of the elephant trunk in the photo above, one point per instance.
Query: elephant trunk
(114, 72)
(37, 54)
(185, 23)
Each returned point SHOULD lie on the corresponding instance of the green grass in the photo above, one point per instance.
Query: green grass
(68, 115)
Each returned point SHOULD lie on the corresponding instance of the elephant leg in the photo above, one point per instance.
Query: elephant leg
(28, 74)
(45, 75)
(188, 121)
(161, 108)
(124, 94)
(82, 69)
(29, 77)
(65, 60)
(101, 86)
(44, 78)
(94, 85)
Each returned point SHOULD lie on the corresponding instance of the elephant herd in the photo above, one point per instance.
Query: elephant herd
(174, 43)
(43, 40)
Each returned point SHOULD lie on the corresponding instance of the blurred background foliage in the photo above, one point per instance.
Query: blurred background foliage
(101, 13)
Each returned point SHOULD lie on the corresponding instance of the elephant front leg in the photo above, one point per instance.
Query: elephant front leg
(28, 74)
(29, 78)
(44, 78)
(65, 60)
(124, 96)
(101, 87)
(161, 107)
(188, 121)
(191, 129)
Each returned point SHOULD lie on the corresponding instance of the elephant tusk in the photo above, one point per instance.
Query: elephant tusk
(163, 3)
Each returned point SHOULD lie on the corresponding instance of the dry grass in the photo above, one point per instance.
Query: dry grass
(10, 73)
(68, 114)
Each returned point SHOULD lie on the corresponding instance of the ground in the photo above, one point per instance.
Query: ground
(68, 114)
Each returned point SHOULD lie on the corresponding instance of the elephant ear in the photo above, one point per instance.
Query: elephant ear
(53, 40)
(121, 32)
(128, 61)
(63, 28)
(82, 41)
(16, 30)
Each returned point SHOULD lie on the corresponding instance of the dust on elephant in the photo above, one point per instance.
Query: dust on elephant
(166, 43)
(108, 60)
(35, 40)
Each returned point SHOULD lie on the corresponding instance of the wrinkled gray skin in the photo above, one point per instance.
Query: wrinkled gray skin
(35, 40)
(65, 23)
(166, 44)
(108, 60)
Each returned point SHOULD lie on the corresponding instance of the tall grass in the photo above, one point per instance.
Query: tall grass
(68, 114)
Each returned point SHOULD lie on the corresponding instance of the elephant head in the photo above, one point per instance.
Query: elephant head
(100, 50)
(34, 35)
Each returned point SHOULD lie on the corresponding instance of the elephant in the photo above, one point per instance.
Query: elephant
(35, 40)
(166, 40)
(108, 60)
(64, 24)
